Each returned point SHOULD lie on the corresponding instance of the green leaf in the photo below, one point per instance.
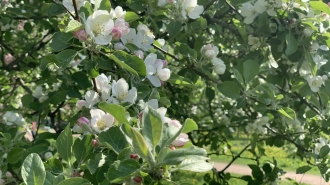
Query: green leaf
(239, 77)
(58, 97)
(312, 64)
(173, 28)
(320, 6)
(60, 41)
(33, 170)
(291, 44)
(54, 165)
(119, 171)
(139, 144)
(189, 126)
(50, 178)
(15, 155)
(82, 147)
(56, 9)
(49, 59)
(117, 111)
(65, 57)
(229, 89)
(73, 26)
(74, 181)
(195, 165)
(175, 157)
(152, 126)
(81, 79)
(64, 144)
(179, 80)
(254, 139)
(96, 162)
(133, 64)
(256, 172)
(250, 70)
(303, 169)
(131, 17)
(324, 151)
(132, 61)
(287, 112)
(114, 138)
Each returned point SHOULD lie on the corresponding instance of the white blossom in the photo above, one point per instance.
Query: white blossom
(120, 92)
(319, 61)
(12, 118)
(190, 8)
(249, 12)
(118, 12)
(210, 51)
(37, 92)
(321, 142)
(101, 121)
(254, 42)
(314, 82)
(219, 66)
(155, 71)
(91, 98)
(99, 26)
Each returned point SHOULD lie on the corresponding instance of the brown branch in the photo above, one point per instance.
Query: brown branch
(76, 10)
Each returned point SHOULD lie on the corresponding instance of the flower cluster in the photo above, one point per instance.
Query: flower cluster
(250, 10)
(156, 73)
(258, 126)
(12, 118)
(187, 8)
(321, 142)
(210, 52)
(142, 38)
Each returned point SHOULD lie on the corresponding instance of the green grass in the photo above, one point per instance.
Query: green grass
(282, 157)
(186, 178)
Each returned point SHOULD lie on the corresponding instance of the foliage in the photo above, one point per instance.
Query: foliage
(131, 92)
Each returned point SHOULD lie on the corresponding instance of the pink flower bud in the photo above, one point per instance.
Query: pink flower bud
(139, 53)
(80, 34)
(165, 63)
(9, 58)
(172, 148)
(329, 4)
(122, 25)
(116, 33)
(95, 143)
(82, 121)
(9, 175)
(181, 140)
(141, 115)
(175, 123)
(137, 179)
(134, 156)
(20, 26)
(80, 104)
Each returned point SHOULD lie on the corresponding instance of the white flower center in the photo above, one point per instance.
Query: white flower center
(101, 124)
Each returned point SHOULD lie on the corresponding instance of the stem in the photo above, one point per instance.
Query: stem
(76, 10)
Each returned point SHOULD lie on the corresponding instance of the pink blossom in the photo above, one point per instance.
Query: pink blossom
(181, 140)
(329, 4)
(80, 104)
(80, 34)
(20, 26)
(175, 123)
(139, 53)
(82, 121)
(122, 25)
(9, 58)
(116, 33)
(95, 142)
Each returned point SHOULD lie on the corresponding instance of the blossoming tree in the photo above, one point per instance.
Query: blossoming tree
(129, 92)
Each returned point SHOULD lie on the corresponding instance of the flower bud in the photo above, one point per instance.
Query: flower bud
(181, 140)
(2, 182)
(209, 54)
(329, 4)
(9, 175)
(139, 53)
(134, 156)
(163, 74)
(80, 104)
(48, 155)
(137, 179)
(82, 121)
(9, 58)
(116, 33)
(325, 77)
(80, 34)
(172, 148)
(95, 143)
